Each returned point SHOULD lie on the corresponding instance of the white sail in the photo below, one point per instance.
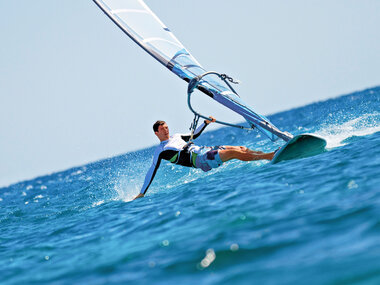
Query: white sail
(139, 22)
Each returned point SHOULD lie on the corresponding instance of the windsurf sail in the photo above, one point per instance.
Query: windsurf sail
(138, 21)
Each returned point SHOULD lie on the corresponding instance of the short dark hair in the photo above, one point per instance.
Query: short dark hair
(157, 124)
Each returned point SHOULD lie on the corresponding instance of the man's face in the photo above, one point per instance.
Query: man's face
(163, 132)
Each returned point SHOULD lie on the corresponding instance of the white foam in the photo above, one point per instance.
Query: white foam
(361, 126)
(97, 203)
(126, 190)
(76, 173)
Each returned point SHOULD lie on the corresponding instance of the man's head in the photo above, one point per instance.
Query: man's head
(161, 130)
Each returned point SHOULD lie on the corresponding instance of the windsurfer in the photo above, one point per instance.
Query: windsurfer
(179, 149)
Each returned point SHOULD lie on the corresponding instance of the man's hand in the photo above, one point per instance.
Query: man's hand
(212, 120)
(139, 196)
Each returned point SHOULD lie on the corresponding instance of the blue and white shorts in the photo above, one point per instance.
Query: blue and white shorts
(208, 158)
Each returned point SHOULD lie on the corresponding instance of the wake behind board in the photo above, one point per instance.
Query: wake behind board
(300, 146)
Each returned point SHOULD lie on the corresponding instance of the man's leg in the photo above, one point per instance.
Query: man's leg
(242, 153)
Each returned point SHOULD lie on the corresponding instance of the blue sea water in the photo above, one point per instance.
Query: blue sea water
(308, 221)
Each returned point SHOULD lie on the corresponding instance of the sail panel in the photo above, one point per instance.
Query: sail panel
(136, 19)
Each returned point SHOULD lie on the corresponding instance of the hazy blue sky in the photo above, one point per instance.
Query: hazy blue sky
(75, 89)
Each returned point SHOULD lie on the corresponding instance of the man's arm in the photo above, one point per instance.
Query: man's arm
(149, 176)
(199, 130)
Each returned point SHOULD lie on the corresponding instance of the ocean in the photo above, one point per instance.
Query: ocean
(314, 220)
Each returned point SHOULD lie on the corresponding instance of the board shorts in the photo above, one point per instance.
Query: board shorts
(208, 158)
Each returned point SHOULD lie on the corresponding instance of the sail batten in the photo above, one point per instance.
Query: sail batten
(120, 11)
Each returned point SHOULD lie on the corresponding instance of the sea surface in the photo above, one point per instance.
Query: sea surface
(308, 221)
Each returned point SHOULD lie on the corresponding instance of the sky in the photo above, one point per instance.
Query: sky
(75, 89)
